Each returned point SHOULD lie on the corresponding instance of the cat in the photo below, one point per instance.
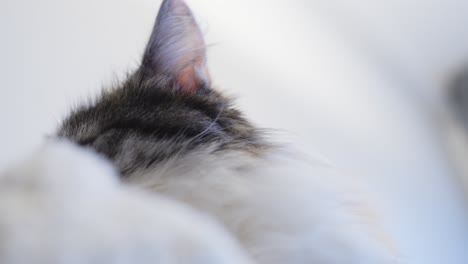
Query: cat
(168, 131)
(65, 205)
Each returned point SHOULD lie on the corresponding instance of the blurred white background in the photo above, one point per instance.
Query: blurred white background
(361, 82)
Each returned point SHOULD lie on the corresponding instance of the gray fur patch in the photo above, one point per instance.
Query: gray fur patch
(145, 121)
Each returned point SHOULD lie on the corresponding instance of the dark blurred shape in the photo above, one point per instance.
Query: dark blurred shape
(458, 96)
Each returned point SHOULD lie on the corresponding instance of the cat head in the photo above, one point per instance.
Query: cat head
(167, 107)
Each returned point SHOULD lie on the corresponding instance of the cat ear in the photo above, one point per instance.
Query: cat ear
(176, 47)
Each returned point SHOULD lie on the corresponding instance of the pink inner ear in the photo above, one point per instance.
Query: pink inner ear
(193, 77)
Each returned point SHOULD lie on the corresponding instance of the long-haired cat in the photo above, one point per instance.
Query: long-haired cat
(168, 130)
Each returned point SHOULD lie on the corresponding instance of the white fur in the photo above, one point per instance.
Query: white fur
(282, 209)
(64, 206)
